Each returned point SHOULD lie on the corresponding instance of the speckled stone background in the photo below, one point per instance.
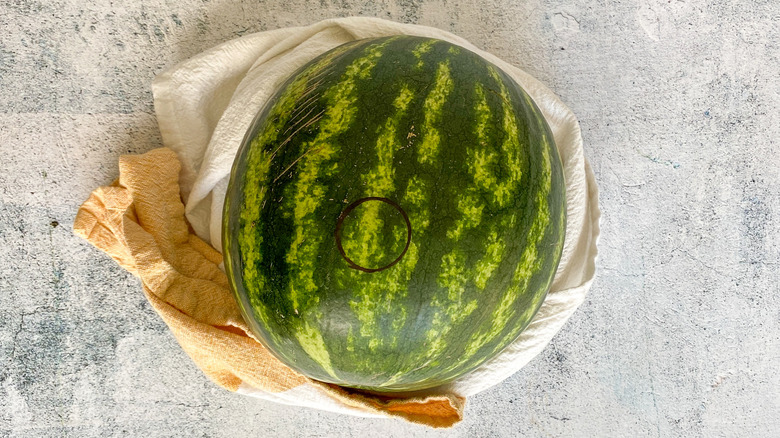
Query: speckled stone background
(678, 102)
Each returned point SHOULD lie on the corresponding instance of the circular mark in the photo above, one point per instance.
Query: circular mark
(346, 213)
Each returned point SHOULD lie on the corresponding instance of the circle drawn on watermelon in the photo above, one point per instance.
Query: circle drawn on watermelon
(362, 202)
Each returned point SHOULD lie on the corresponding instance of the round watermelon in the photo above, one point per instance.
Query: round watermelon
(395, 215)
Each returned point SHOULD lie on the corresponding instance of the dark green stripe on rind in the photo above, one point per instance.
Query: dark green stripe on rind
(318, 161)
(269, 151)
(253, 165)
(374, 299)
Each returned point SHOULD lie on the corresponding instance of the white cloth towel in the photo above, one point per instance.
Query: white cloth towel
(206, 104)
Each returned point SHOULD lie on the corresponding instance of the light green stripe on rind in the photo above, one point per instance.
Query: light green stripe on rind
(470, 208)
(544, 215)
(416, 200)
(453, 276)
(513, 152)
(510, 147)
(318, 159)
(377, 292)
(549, 144)
(427, 154)
(422, 49)
(434, 103)
(363, 245)
(482, 165)
(482, 160)
(494, 252)
(418, 194)
(255, 182)
(451, 310)
(318, 154)
(313, 344)
(530, 262)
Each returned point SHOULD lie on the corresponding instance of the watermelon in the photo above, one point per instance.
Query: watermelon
(394, 216)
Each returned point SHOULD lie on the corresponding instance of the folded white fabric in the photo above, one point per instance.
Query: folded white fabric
(206, 104)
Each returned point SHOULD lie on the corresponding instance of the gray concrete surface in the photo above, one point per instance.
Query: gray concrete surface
(678, 101)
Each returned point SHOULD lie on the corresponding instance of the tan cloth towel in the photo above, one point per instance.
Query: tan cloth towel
(139, 221)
